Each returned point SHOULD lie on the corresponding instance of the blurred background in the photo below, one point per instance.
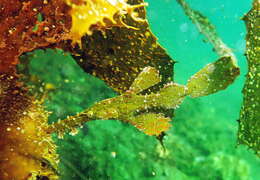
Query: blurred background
(201, 145)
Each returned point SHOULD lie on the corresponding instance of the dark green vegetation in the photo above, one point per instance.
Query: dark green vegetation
(197, 147)
(249, 127)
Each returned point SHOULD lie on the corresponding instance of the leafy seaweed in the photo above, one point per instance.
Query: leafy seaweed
(249, 122)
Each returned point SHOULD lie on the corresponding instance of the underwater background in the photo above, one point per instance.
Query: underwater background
(201, 143)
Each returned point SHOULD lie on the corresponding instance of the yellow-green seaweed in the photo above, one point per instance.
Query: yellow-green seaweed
(131, 107)
(214, 76)
(127, 52)
(118, 54)
(249, 122)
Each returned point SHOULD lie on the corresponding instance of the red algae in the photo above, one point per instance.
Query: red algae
(18, 21)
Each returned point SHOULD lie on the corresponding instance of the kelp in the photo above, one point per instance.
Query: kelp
(223, 72)
(131, 107)
(27, 151)
(118, 54)
(87, 13)
(22, 30)
(215, 76)
(207, 29)
(114, 66)
(249, 121)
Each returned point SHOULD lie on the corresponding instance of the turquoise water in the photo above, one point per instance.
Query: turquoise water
(185, 44)
(201, 145)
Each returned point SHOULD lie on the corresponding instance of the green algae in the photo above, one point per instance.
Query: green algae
(197, 146)
(127, 106)
(215, 76)
(206, 28)
(104, 56)
(118, 54)
(249, 122)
